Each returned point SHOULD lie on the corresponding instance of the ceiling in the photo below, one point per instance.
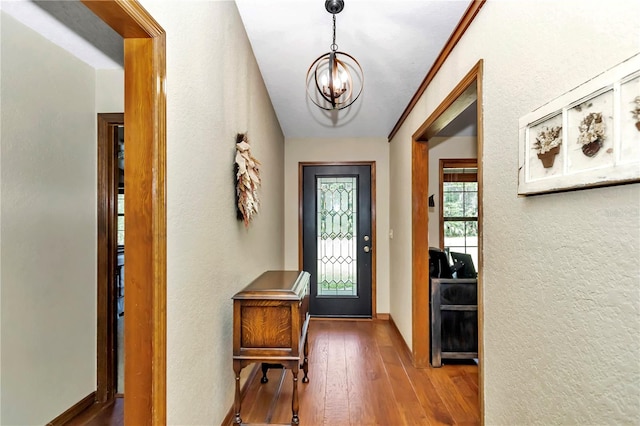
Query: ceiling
(72, 26)
(396, 43)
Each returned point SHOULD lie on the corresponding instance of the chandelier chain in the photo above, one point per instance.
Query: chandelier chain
(334, 46)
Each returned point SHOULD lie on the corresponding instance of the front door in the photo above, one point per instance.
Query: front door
(337, 239)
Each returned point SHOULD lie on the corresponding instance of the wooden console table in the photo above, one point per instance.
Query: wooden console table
(270, 323)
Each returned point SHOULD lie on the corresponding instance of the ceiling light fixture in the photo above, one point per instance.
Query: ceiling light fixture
(335, 79)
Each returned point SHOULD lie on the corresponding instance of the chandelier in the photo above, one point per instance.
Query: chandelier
(335, 79)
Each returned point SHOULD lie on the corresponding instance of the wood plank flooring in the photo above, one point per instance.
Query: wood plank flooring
(111, 414)
(360, 374)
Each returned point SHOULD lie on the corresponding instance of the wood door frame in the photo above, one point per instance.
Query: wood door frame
(372, 165)
(145, 207)
(107, 245)
(458, 100)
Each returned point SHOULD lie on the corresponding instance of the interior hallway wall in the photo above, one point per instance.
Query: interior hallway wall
(110, 90)
(561, 271)
(337, 150)
(48, 227)
(214, 91)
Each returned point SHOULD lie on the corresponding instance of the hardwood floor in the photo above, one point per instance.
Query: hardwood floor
(111, 414)
(360, 374)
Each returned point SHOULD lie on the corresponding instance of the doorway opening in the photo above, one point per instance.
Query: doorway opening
(110, 278)
(465, 94)
(119, 279)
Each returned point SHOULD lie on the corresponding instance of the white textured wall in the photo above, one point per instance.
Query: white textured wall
(110, 90)
(214, 90)
(334, 150)
(48, 227)
(444, 148)
(561, 273)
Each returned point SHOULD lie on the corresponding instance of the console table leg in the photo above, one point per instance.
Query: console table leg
(305, 364)
(265, 368)
(294, 399)
(236, 403)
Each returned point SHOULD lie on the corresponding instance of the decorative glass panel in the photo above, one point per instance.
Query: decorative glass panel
(337, 236)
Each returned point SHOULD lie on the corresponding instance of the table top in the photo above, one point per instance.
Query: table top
(282, 285)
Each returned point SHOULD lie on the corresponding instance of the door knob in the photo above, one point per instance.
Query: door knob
(366, 249)
(366, 238)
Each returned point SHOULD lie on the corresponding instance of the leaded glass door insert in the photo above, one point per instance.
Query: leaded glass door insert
(337, 242)
(337, 237)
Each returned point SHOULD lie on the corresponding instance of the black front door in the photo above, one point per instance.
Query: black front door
(337, 239)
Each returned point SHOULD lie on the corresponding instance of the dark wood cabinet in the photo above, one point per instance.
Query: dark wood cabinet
(454, 319)
(270, 323)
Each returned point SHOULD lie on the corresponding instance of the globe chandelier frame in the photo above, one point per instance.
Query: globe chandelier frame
(330, 78)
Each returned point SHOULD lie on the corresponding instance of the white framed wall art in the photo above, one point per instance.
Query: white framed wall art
(588, 137)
